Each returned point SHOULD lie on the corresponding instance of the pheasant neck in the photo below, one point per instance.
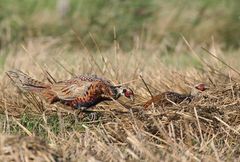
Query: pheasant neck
(116, 92)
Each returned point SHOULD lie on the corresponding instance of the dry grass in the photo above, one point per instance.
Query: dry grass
(207, 129)
(17, 148)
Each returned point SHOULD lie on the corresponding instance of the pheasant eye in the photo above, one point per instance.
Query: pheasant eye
(124, 90)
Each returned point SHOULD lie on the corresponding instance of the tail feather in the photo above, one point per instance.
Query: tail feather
(26, 83)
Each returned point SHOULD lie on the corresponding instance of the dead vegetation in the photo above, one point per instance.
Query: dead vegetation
(19, 148)
(207, 129)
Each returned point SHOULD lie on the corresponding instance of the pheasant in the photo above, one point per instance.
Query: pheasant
(80, 92)
(169, 98)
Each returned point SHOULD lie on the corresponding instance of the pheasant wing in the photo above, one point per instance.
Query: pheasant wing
(79, 86)
(94, 78)
(71, 89)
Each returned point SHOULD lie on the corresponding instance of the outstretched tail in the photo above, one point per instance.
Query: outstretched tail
(26, 83)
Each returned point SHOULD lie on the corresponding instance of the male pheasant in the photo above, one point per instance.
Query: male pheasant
(169, 98)
(80, 92)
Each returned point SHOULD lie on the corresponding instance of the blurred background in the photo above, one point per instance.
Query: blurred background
(127, 25)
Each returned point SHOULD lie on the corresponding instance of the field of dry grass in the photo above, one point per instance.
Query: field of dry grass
(207, 129)
(173, 45)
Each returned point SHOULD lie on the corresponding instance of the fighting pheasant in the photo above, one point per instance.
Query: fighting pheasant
(80, 92)
(170, 98)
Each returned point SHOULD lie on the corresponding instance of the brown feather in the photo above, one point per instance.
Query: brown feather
(97, 92)
(167, 99)
(81, 91)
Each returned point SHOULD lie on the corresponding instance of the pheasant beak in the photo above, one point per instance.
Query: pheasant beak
(207, 87)
(132, 98)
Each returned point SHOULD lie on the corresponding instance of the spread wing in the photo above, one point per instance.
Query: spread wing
(71, 89)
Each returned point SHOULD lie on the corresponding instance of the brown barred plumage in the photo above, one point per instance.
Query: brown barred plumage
(79, 92)
(170, 98)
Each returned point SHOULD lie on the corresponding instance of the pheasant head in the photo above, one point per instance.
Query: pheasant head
(124, 91)
(199, 88)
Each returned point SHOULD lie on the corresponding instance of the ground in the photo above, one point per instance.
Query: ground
(173, 52)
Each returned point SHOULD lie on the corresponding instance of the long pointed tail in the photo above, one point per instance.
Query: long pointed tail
(23, 81)
(26, 83)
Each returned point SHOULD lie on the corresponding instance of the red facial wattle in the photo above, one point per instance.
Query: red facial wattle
(127, 94)
(201, 87)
